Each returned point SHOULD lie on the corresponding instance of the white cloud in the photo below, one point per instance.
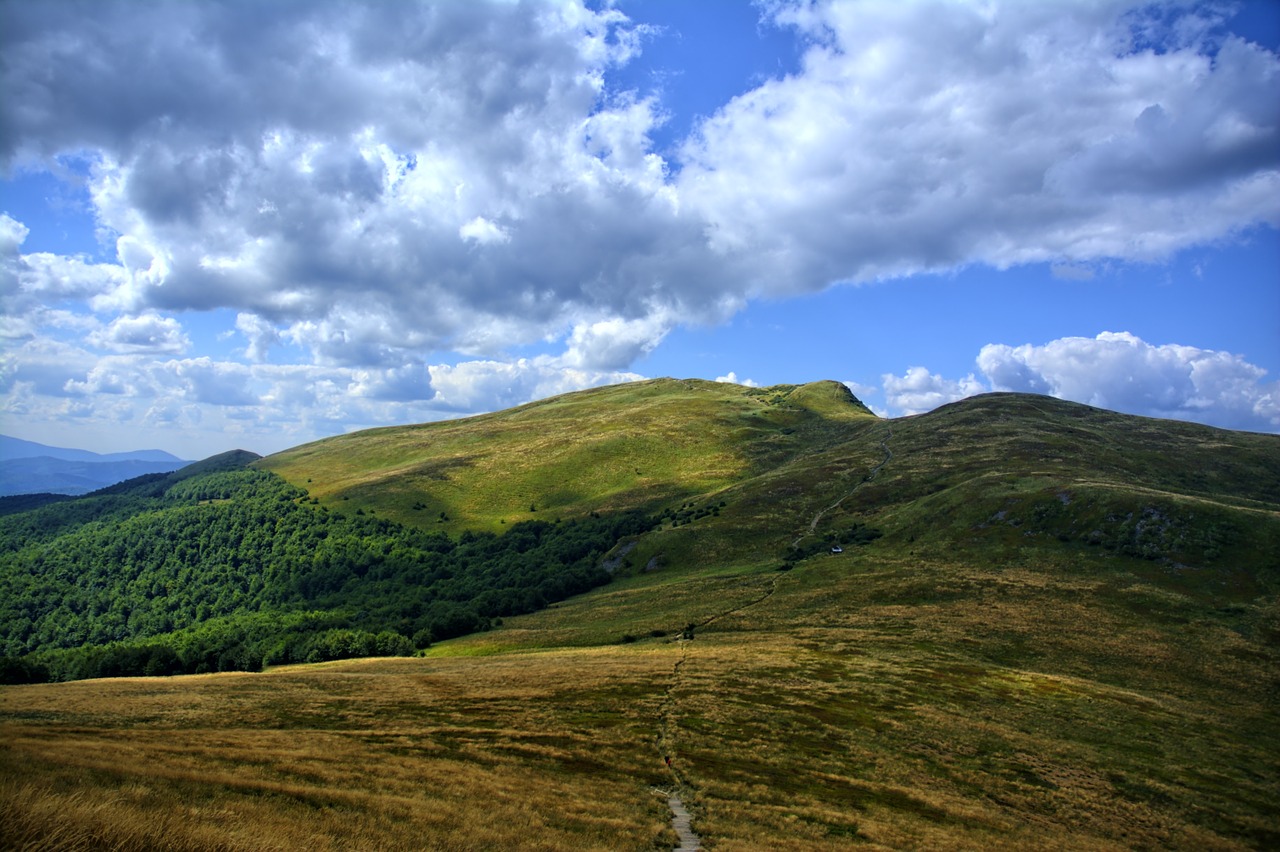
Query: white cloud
(147, 333)
(495, 193)
(484, 232)
(457, 169)
(410, 383)
(615, 343)
(29, 283)
(203, 380)
(261, 334)
(54, 277)
(918, 390)
(860, 390)
(1115, 370)
(493, 385)
(377, 184)
(268, 406)
(115, 376)
(12, 235)
(1125, 373)
(42, 365)
(931, 135)
(732, 379)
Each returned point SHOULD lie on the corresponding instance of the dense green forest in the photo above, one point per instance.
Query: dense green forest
(233, 570)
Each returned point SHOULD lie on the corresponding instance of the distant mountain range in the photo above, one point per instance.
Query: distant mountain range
(27, 467)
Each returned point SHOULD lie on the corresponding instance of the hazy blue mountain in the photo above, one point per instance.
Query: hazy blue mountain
(16, 448)
(27, 467)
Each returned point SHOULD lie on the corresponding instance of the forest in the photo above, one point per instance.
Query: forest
(237, 569)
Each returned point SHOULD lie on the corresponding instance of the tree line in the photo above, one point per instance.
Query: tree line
(233, 570)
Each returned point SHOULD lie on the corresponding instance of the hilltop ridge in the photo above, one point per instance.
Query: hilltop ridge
(635, 445)
(778, 455)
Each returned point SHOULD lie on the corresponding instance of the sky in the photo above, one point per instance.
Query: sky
(235, 224)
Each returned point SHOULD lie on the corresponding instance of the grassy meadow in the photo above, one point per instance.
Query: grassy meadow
(891, 704)
(538, 751)
(1065, 636)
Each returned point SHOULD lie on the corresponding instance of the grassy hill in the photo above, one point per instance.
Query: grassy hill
(639, 445)
(1048, 626)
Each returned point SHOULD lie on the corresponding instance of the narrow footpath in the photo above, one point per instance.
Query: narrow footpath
(681, 819)
(682, 822)
(871, 474)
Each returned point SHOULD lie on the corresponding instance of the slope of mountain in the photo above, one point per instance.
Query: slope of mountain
(27, 467)
(1013, 622)
(793, 463)
(640, 445)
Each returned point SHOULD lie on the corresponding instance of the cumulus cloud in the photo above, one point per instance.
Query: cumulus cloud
(491, 385)
(269, 406)
(203, 380)
(147, 333)
(482, 231)
(1115, 370)
(1122, 372)
(930, 135)
(410, 383)
(918, 390)
(12, 235)
(388, 185)
(461, 171)
(732, 379)
(615, 343)
(457, 169)
(31, 282)
(261, 335)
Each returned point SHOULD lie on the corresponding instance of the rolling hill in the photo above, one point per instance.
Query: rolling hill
(1012, 622)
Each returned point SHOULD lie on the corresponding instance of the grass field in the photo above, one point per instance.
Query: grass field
(853, 699)
(540, 751)
(1066, 637)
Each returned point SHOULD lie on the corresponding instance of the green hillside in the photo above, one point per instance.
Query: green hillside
(1013, 622)
(640, 445)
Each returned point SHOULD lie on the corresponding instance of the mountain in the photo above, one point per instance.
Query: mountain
(1013, 622)
(27, 467)
(638, 445)
(982, 472)
(16, 448)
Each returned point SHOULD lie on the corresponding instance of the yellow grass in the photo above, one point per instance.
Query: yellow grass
(527, 752)
(823, 715)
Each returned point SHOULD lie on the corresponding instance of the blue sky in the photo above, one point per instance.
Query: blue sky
(234, 225)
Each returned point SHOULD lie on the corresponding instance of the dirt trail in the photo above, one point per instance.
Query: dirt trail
(681, 819)
(888, 457)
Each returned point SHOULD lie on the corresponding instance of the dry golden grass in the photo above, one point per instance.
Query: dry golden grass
(1010, 709)
(873, 699)
(813, 742)
(536, 751)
